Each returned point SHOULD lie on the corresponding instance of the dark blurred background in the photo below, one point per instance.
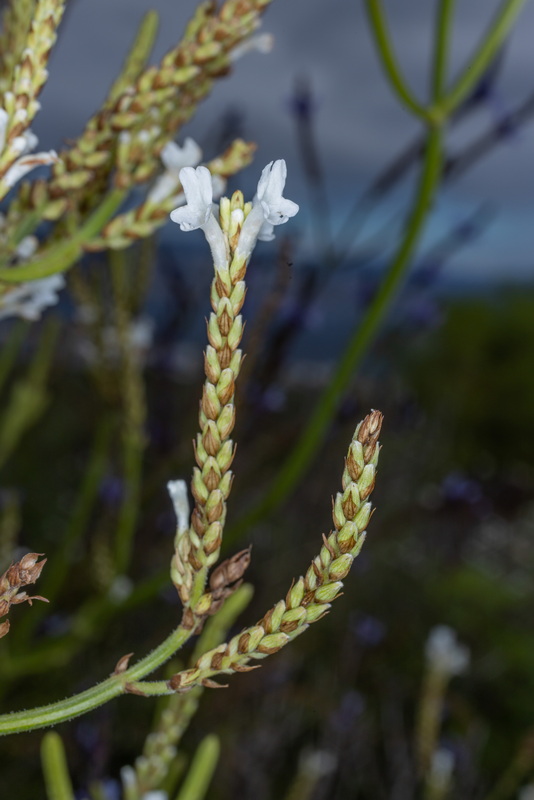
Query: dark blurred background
(452, 540)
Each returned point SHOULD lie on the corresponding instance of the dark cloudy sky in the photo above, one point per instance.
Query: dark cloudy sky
(360, 126)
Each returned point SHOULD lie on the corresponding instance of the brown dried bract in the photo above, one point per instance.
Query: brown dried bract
(122, 664)
(369, 433)
(18, 575)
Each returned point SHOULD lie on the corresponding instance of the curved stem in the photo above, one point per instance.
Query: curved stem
(314, 431)
(59, 257)
(441, 52)
(63, 710)
(495, 36)
(389, 61)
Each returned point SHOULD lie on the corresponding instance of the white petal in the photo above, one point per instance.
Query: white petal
(277, 209)
(196, 184)
(27, 247)
(178, 493)
(262, 43)
(25, 164)
(175, 157)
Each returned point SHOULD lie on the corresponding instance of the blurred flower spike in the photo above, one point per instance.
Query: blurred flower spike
(443, 652)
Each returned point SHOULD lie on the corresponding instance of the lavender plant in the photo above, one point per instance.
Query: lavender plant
(124, 146)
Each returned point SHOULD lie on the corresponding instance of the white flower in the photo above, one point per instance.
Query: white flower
(269, 208)
(174, 158)
(198, 212)
(28, 300)
(27, 247)
(262, 43)
(276, 209)
(527, 792)
(443, 652)
(22, 145)
(178, 493)
(441, 769)
(199, 198)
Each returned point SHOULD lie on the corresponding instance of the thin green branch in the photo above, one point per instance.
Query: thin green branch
(133, 404)
(52, 714)
(138, 56)
(389, 61)
(480, 61)
(444, 19)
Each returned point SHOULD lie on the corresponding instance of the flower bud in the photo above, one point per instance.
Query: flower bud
(340, 567)
(272, 643)
(328, 592)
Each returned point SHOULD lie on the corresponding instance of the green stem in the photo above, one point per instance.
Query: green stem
(55, 769)
(479, 62)
(201, 770)
(61, 256)
(114, 686)
(11, 348)
(442, 46)
(138, 56)
(389, 61)
(133, 413)
(311, 437)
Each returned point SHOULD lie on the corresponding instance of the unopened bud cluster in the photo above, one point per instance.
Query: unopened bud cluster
(18, 575)
(311, 596)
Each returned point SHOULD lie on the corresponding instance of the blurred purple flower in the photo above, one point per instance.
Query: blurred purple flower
(111, 490)
(346, 714)
(369, 630)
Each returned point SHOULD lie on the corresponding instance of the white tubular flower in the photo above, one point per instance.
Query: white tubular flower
(30, 299)
(269, 208)
(261, 43)
(199, 196)
(444, 654)
(198, 213)
(178, 493)
(174, 158)
(277, 210)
